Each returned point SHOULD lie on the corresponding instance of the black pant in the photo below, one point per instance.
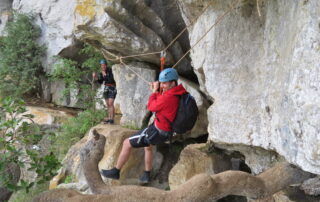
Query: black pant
(149, 136)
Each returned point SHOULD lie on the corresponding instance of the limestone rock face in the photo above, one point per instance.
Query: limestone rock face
(262, 74)
(133, 92)
(194, 160)
(55, 18)
(133, 27)
(115, 27)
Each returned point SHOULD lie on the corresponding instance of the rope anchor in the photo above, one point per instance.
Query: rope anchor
(162, 59)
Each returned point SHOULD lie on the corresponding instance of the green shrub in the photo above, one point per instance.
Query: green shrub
(16, 137)
(68, 179)
(78, 75)
(20, 55)
(75, 128)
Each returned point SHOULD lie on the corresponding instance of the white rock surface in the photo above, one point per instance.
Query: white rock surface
(55, 18)
(133, 92)
(93, 22)
(5, 6)
(263, 75)
(194, 160)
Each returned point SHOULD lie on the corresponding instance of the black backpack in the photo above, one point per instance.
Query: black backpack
(187, 114)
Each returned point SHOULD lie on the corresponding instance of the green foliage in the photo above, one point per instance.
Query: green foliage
(67, 71)
(93, 57)
(23, 196)
(20, 56)
(75, 128)
(79, 76)
(68, 179)
(17, 135)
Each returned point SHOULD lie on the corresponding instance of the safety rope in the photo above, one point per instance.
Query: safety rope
(121, 61)
(258, 8)
(143, 54)
(191, 23)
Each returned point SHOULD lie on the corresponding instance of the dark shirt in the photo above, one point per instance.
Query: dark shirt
(108, 79)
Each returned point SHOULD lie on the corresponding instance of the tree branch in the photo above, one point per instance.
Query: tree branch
(202, 187)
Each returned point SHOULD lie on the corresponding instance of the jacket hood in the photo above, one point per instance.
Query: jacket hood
(178, 90)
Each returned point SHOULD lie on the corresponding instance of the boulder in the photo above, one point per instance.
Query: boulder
(195, 160)
(311, 186)
(47, 116)
(256, 158)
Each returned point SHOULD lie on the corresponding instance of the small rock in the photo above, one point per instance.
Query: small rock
(311, 186)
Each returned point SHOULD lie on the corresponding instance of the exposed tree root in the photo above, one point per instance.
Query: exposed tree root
(202, 187)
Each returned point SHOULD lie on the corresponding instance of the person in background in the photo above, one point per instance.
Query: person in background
(165, 105)
(105, 77)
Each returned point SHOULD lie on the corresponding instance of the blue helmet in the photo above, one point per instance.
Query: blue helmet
(103, 61)
(168, 74)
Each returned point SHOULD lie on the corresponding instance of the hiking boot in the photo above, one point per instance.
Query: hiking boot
(113, 173)
(145, 178)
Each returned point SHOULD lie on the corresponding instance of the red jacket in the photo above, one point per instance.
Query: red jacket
(165, 106)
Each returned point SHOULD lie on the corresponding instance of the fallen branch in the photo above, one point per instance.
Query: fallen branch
(202, 187)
